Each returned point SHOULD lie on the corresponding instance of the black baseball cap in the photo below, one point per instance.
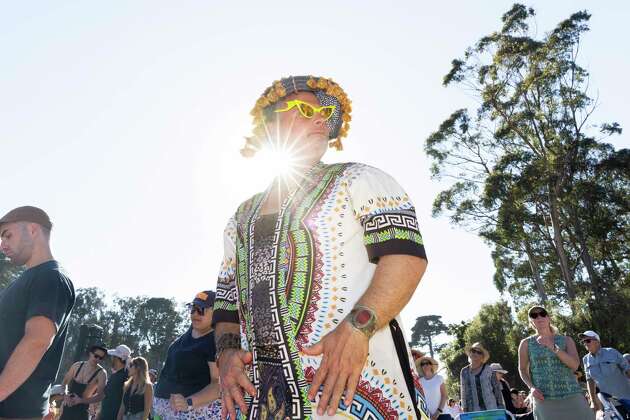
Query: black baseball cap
(204, 299)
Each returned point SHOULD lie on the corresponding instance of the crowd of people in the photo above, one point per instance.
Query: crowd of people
(305, 320)
(548, 365)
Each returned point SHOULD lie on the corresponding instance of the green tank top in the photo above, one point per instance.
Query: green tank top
(554, 379)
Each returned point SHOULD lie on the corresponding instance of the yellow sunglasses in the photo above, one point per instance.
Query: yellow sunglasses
(308, 111)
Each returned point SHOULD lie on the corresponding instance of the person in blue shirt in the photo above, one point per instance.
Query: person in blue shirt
(607, 370)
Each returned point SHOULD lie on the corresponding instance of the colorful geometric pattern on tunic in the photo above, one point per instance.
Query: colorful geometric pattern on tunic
(327, 232)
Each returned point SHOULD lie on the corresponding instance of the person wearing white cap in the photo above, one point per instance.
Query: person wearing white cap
(114, 389)
(607, 369)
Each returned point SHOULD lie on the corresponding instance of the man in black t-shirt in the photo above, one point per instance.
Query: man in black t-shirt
(34, 313)
(114, 387)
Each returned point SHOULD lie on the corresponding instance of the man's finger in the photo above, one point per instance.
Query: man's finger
(246, 356)
(237, 396)
(229, 405)
(329, 385)
(340, 386)
(243, 380)
(318, 379)
(351, 387)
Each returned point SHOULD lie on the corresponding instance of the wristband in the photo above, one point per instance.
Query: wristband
(189, 401)
(363, 319)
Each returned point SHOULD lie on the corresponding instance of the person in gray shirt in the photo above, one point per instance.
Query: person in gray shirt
(606, 369)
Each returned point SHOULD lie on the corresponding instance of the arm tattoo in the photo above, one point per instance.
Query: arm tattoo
(228, 341)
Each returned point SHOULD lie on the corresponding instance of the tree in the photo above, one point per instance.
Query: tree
(531, 174)
(8, 271)
(147, 325)
(425, 328)
(453, 356)
(495, 328)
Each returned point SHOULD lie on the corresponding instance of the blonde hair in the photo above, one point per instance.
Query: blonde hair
(480, 347)
(140, 378)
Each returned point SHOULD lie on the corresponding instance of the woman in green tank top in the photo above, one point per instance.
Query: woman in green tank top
(546, 362)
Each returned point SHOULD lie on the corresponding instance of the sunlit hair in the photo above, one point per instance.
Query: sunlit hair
(137, 382)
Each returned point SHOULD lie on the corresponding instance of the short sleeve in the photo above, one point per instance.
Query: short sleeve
(212, 353)
(440, 379)
(386, 213)
(225, 303)
(49, 297)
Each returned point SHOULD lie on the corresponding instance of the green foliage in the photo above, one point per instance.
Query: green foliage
(147, 325)
(532, 175)
(8, 272)
(495, 328)
(425, 329)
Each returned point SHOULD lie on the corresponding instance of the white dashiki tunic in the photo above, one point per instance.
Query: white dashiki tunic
(290, 278)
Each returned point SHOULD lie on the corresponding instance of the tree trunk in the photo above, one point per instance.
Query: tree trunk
(430, 346)
(559, 246)
(586, 257)
(540, 290)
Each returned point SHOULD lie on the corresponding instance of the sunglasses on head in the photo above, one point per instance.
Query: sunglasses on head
(542, 314)
(308, 110)
(197, 309)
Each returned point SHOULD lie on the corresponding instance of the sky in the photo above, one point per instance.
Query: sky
(124, 120)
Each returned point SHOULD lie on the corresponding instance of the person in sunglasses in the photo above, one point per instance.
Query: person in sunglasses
(315, 272)
(606, 369)
(187, 387)
(86, 382)
(480, 389)
(546, 362)
(434, 388)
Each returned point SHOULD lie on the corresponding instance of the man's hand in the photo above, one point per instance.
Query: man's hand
(536, 393)
(234, 381)
(344, 350)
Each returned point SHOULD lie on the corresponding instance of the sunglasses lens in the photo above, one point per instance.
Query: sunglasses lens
(306, 110)
(327, 112)
(198, 310)
(535, 315)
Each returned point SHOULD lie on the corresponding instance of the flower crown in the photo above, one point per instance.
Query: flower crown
(277, 91)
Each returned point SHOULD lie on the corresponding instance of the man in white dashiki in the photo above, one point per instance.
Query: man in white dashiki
(315, 272)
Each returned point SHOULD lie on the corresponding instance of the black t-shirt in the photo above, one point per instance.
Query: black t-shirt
(186, 369)
(43, 290)
(113, 395)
